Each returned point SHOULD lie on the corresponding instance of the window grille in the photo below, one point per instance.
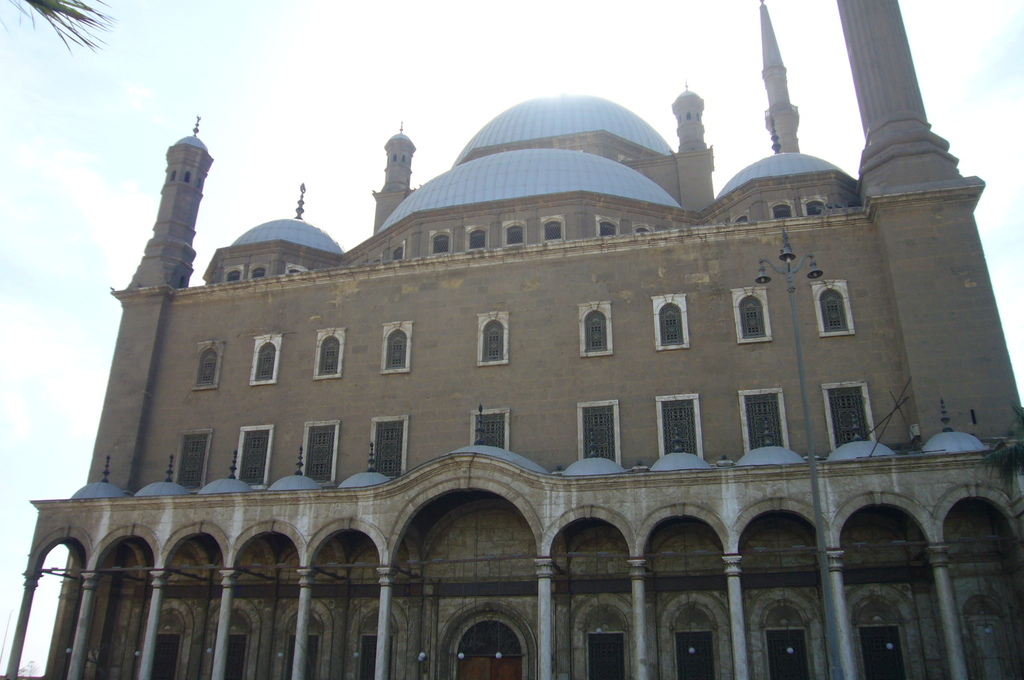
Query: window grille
(833, 311)
(368, 657)
(880, 648)
(207, 367)
(678, 422)
(493, 425)
(514, 236)
(781, 211)
(489, 637)
(494, 341)
(596, 328)
(477, 239)
(441, 243)
(695, 658)
(192, 460)
(258, 273)
(255, 445)
(752, 317)
(846, 405)
(320, 452)
(397, 344)
(670, 324)
(787, 655)
(606, 229)
(312, 651)
(398, 253)
(234, 275)
(599, 431)
(235, 667)
(764, 426)
(814, 207)
(165, 656)
(265, 361)
(387, 447)
(330, 351)
(552, 231)
(606, 658)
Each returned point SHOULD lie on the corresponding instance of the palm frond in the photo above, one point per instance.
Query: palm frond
(75, 21)
(1007, 461)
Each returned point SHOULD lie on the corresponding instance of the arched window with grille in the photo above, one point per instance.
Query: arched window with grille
(552, 231)
(329, 350)
(234, 275)
(265, 359)
(207, 373)
(258, 273)
(442, 244)
(477, 239)
(493, 341)
(814, 208)
(266, 362)
(515, 236)
(752, 315)
(398, 253)
(781, 211)
(395, 350)
(832, 307)
(750, 306)
(397, 344)
(671, 331)
(606, 228)
(833, 313)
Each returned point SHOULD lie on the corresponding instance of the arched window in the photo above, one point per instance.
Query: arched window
(398, 253)
(477, 239)
(552, 231)
(752, 318)
(781, 211)
(670, 325)
(265, 362)
(174, 173)
(742, 219)
(689, 116)
(234, 275)
(258, 273)
(833, 311)
(397, 346)
(330, 352)
(394, 157)
(514, 236)
(641, 230)
(494, 342)
(814, 207)
(596, 328)
(441, 243)
(207, 374)
(188, 177)
(606, 229)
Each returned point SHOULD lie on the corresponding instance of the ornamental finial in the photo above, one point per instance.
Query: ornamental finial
(234, 465)
(170, 469)
(302, 193)
(106, 471)
(195, 130)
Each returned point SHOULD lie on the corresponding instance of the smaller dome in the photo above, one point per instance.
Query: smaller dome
(778, 165)
(225, 485)
(98, 490)
(770, 455)
(593, 466)
(292, 230)
(860, 449)
(361, 479)
(162, 489)
(400, 137)
(953, 442)
(191, 141)
(295, 483)
(680, 461)
(503, 454)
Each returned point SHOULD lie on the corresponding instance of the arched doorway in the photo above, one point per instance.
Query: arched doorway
(490, 650)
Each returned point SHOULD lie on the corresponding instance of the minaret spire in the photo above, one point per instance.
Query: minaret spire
(781, 118)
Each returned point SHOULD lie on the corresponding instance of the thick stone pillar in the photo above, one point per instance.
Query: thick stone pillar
(227, 599)
(302, 624)
(737, 622)
(938, 555)
(156, 603)
(545, 570)
(637, 574)
(383, 666)
(84, 626)
(846, 653)
(21, 627)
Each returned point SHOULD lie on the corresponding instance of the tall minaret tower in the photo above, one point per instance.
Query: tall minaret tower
(689, 109)
(781, 118)
(169, 255)
(397, 175)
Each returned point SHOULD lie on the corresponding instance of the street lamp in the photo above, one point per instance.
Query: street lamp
(789, 271)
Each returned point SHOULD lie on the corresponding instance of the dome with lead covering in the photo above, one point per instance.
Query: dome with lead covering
(191, 141)
(770, 455)
(953, 442)
(163, 488)
(778, 165)
(565, 115)
(225, 485)
(589, 467)
(503, 454)
(860, 449)
(102, 489)
(680, 461)
(362, 479)
(295, 483)
(292, 230)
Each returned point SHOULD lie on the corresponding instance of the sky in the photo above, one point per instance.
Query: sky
(311, 94)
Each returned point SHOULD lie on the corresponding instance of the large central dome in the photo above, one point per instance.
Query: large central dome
(565, 115)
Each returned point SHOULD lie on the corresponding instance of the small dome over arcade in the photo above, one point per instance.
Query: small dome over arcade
(592, 467)
(100, 489)
(951, 441)
(363, 479)
(165, 488)
(229, 484)
(778, 165)
(680, 460)
(860, 449)
(770, 455)
(296, 481)
(503, 454)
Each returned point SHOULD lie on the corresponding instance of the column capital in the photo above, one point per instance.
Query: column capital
(306, 576)
(637, 567)
(545, 567)
(938, 554)
(32, 580)
(159, 577)
(835, 559)
(387, 575)
(228, 577)
(90, 579)
(732, 564)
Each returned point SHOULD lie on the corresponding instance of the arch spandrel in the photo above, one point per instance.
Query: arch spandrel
(766, 505)
(180, 536)
(996, 497)
(74, 538)
(274, 526)
(116, 536)
(319, 539)
(917, 512)
(608, 515)
(651, 522)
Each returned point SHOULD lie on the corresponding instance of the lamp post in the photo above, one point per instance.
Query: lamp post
(789, 271)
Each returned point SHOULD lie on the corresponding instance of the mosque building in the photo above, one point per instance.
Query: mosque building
(545, 423)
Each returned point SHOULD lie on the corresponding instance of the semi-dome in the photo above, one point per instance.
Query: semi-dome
(778, 165)
(295, 483)
(679, 461)
(292, 230)
(589, 467)
(163, 488)
(565, 115)
(529, 172)
(102, 489)
(503, 454)
(860, 449)
(191, 141)
(361, 479)
(225, 485)
(770, 455)
(953, 442)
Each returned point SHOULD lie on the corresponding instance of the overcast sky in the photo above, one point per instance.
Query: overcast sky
(311, 95)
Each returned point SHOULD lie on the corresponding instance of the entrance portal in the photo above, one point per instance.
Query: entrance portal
(489, 650)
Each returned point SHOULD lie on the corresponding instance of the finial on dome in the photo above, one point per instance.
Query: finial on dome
(106, 471)
(371, 461)
(298, 464)
(170, 469)
(234, 465)
(945, 417)
(195, 130)
(479, 426)
(302, 193)
(401, 127)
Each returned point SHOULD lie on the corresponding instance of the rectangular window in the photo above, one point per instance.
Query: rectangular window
(491, 426)
(598, 424)
(321, 440)
(192, 461)
(255, 448)
(787, 655)
(165, 656)
(763, 419)
(312, 651)
(606, 658)
(235, 667)
(695, 658)
(389, 444)
(880, 651)
(368, 657)
(679, 419)
(847, 412)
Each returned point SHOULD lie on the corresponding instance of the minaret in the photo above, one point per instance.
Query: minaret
(689, 108)
(397, 175)
(695, 162)
(168, 257)
(781, 118)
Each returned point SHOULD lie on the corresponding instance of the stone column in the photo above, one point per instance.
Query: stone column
(227, 598)
(846, 653)
(545, 570)
(156, 603)
(637, 573)
(18, 643)
(382, 665)
(82, 629)
(737, 623)
(301, 624)
(938, 555)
